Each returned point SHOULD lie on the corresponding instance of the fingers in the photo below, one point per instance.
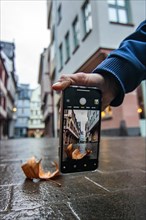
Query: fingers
(85, 79)
(64, 82)
(80, 79)
(67, 80)
(61, 85)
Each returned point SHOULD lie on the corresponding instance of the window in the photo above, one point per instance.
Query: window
(118, 11)
(19, 111)
(53, 33)
(75, 27)
(52, 51)
(87, 19)
(22, 120)
(59, 14)
(52, 46)
(61, 56)
(22, 111)
(67, 46)
(140, 95)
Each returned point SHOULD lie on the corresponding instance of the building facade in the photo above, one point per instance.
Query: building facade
(35, 123)
(92, 126)
(71, 127)
(46, 92)
(23, 110)
(8, 85)
(3, 97)
(81, 38)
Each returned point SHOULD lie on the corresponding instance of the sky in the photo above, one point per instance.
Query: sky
(24, 22)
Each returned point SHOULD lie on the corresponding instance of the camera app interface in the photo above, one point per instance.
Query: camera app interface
(81, 125)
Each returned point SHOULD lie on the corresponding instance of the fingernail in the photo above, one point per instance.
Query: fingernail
(56, 83)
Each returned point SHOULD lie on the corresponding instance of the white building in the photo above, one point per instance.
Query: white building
(82, 34)
(35, 123)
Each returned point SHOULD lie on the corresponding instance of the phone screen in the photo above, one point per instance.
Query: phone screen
(80, 129)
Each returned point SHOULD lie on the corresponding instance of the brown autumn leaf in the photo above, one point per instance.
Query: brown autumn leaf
(33, 170)
(76, 154)
(69, 150)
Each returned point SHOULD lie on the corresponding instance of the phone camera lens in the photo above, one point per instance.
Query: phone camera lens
(82, 101)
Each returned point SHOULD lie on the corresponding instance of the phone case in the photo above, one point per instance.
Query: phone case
(80, 129)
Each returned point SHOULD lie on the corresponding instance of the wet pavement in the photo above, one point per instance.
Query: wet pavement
(117, 190)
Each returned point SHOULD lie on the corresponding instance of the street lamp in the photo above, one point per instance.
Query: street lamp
(14, 109)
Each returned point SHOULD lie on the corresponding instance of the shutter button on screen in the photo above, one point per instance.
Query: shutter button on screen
(82, 101)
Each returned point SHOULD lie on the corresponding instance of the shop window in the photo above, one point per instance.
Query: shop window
(106, 114)
(141, 105)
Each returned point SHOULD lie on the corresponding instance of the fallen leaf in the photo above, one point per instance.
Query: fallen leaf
(75, 153)
(33, 169)
(69, 150)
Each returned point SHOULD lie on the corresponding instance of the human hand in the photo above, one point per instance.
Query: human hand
(105, 82)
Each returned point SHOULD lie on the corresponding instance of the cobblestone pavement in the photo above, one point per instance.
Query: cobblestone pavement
(117, 190)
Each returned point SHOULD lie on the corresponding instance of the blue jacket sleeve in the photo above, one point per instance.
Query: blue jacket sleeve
(127, 64)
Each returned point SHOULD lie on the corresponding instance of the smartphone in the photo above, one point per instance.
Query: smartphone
(80, 129)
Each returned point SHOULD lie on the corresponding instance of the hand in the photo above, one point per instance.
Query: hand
(105, 82)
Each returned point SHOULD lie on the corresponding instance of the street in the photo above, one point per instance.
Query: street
(117, 190)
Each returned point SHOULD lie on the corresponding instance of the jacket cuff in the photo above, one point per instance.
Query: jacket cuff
(118, 68)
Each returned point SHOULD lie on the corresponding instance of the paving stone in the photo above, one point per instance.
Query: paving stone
(31, 195)
(76, 186)
(5, 196)
(119, 180)
(122, 153)
(123, 205)
(115, 191)
(52, 212)
(11, 173)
